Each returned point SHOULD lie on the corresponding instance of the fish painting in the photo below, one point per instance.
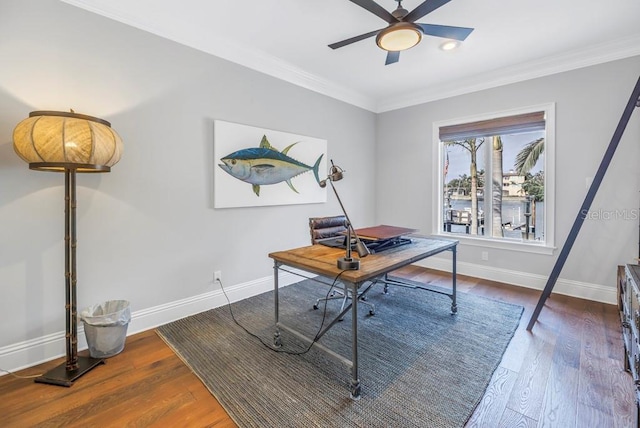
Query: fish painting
(266, 165)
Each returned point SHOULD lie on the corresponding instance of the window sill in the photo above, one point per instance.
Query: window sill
(533, 248)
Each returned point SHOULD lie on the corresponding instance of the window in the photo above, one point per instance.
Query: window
(495, 178)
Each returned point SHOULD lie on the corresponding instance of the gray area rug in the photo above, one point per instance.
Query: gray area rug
(420, 366)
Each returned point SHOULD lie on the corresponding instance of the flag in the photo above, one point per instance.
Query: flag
(446, 165)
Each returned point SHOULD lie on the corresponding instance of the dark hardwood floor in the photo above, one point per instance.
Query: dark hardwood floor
(567, 372)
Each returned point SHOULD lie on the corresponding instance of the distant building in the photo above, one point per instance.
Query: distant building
(512, 184)
(457, 192)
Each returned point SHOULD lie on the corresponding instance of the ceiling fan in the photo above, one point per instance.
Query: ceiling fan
(403, 32)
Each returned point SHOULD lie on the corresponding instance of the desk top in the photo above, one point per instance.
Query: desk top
(382, 232)
(322, 260)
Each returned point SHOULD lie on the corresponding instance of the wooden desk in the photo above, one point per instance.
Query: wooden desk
(321, 260)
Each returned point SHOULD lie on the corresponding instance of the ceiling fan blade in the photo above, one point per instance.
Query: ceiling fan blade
(455, 33)
(377, 10)
(426, 7)
(392, 56)
(353, 39)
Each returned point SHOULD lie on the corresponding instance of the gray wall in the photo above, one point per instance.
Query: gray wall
(147, 231)
(589, 103)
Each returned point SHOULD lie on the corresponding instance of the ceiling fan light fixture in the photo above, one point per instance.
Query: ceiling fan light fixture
(399, 37)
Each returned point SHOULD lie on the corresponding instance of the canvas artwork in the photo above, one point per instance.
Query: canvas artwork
(261, 167)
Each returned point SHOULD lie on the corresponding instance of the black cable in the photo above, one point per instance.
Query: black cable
(268, 346)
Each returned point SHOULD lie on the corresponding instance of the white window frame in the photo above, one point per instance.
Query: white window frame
(438, 156)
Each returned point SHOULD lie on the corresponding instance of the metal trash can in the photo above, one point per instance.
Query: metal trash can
(105, 327)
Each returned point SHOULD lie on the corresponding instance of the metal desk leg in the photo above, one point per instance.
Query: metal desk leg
(454, 305)
(277, 341)
(355, 381)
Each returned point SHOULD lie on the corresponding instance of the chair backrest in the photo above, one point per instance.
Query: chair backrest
(326, 227)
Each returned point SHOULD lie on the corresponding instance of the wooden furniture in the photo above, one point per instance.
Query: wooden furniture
(629, 306)
(383, 232)
(321, 260)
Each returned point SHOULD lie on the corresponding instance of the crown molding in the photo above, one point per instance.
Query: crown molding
(275, 67)
(598, 54)
(239, 54)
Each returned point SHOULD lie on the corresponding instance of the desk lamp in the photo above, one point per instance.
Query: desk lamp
(346, 263)
(69, 143)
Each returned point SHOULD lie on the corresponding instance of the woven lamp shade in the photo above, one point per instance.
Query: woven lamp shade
(55, 141)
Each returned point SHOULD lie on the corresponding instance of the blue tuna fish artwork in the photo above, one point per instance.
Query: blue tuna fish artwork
(266, 165)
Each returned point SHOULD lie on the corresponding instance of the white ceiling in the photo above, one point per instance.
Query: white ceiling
(513, 40)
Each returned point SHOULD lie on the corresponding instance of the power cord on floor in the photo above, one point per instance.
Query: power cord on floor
(268, 346)
(315, 339)
(20, 376)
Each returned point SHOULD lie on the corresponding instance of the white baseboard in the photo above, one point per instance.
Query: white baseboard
(582, 290)
(35, 351)
(39, 350)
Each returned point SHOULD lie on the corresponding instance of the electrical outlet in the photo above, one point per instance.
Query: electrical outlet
(217, 276)
(485, 255)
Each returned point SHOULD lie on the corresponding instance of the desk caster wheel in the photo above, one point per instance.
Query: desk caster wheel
(372, 312)
(315, 307)
(355, 390)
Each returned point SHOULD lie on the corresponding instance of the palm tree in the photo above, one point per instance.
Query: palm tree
(471, 145)
(528, 156)
(496, 187)
(526, 159)
(534, 185)
(461, 182)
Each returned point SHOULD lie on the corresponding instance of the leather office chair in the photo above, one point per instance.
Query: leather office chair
(325, 228)
(328, 228)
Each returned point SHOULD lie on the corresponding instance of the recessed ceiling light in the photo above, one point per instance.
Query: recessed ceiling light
(449, 45)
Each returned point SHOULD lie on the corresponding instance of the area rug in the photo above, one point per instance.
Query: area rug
(420, 366)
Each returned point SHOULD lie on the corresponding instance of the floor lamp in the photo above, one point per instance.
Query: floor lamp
(70, 143)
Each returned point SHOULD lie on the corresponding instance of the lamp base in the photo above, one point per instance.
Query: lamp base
(62, 377)
(348, 263)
